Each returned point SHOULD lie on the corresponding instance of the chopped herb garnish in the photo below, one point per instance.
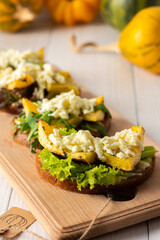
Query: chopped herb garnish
(103, 108)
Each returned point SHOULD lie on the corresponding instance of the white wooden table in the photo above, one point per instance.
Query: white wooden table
(130, 90)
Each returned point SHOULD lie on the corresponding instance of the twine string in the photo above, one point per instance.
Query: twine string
(93, 221)
(83, 235)
(29, 232)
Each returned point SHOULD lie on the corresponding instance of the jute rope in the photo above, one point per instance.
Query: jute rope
(83, 235)
(28, 231)
(93, 221)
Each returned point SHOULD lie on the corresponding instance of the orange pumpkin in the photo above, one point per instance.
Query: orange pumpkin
(71, 12)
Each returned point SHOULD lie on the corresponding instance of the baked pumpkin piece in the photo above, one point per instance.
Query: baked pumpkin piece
(26, 74)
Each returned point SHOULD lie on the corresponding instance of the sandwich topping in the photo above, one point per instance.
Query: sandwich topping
(67, 104)
(121, 145)
(81, 141)
(66, 153)
(15, 65)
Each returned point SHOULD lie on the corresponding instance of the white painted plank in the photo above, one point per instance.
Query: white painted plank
(154, 229)
(15, 201)
(5, 192)
(147, 87)
(136, 232)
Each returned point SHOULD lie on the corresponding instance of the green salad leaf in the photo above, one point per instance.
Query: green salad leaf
(103, 108)
(66, 132)
(82, 173)
(148, 152)
(29, 125)
(89, 175)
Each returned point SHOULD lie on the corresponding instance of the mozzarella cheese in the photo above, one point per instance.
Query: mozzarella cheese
(82, 141)
(119, 145)
(15, 64)
(67, 103)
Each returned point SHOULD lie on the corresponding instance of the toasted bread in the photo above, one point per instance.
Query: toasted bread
(69, 185)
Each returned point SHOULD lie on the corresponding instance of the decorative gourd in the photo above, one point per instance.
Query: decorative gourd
(140, 39)
(17, 14)
(119, 12)
(71, 12)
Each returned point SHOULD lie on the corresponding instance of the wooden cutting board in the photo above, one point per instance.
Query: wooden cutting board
(63, 214)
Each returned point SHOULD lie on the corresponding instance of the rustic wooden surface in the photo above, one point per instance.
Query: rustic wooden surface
(131, 91)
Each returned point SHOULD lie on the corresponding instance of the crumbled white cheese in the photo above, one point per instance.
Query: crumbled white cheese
(82, 141)
(67, 103)
(15, 64)
(13, 58)
(119, 145)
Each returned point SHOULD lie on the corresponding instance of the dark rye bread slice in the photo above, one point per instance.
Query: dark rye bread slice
(10, 100)
(13, 108)
(69, 185)
(21, 138)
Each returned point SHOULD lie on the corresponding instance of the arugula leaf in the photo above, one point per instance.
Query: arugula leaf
(34, 145)
(93, 127)
(66, 132)
(66, 123)
(103, 108)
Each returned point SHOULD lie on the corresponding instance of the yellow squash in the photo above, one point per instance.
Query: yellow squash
(44, 130)
(127, 164)
(71, 12)
(29, 106)
(57, 88)
(17, 14)
(140, 40)
(21, 83)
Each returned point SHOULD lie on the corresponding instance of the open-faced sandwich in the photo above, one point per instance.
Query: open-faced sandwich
(26, 74)
(77, 161)
(66, 110)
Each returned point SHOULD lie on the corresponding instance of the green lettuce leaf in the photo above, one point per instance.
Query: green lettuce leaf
(148, 152)
(82, 173)
(66, 132)
(89, 175)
